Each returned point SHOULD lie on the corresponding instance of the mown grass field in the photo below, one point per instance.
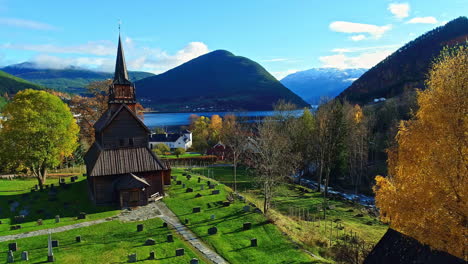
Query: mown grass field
(231, 241)
(292, 198)
(67, 203)
(109, 242)
(185, 155)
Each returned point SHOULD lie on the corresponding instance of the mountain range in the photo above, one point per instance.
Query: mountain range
(319, 84)
(219, 81)
(71, 79)
(407, 67)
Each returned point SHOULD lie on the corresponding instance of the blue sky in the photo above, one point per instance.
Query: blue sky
(284, 36)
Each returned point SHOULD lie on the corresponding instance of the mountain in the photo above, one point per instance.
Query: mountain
(314, 84)
(71, 79)
(407, 67)
(11, 84)
(217, 81)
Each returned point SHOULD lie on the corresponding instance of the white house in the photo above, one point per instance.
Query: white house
(173, 141)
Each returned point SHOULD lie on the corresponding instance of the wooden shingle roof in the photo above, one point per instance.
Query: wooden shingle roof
(101, 162)
(108, 116)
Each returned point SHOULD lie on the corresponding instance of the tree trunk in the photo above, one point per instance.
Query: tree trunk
(235, 173)
(320, 175)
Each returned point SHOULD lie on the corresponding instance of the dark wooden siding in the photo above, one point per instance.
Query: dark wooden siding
(122, 129)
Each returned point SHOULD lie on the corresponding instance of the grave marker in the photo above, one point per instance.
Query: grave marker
(132, 258)
(214, 192)
(198, 195)
(180, 252)
(196, 210)
(247, 226)
(164, 224)
(55, 243)
(253, 242)
(212, 230)
(139, 227)
(170, 238)
(57, 219)
(78, 239)
(151, 255)
(246, 208)
(189, 190)
(13, 246)
(10, 257)
(194, 261)
(24, 255)
(150, 242)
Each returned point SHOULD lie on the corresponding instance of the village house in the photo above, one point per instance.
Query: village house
(172, 140)
(121, 168)
(219, 150)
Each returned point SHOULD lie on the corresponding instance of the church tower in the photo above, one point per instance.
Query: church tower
(121, 91)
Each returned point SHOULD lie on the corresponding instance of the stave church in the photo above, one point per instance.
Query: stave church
(121, 169)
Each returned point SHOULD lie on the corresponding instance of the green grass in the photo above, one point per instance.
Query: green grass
(186, 155)
(67, 203)
(109, 242)
(231, 241)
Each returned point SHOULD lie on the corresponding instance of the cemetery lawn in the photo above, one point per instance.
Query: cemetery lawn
(109, 242)
(16, 198)
(366, 227)
(185, 155)
(231, 241)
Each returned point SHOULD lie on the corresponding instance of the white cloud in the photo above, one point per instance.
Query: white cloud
(281, 74)
(358, 37)
(23, 23)
(138, 58)
(350, 27)
(362, 49)
(362, 60)
(399, 10)
(423, 20)
(100, 48)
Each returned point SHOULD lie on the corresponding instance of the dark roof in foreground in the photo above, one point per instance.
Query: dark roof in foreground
(102, 162)
(397, 248)
(130, 181)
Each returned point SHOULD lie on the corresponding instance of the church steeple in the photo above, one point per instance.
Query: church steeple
(121, 75)
(121, 91)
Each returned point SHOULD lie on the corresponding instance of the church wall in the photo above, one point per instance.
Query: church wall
(123, 128)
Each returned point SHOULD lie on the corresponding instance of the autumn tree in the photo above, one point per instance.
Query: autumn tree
(161, 148)
(39, 132)
(179, 151)
(303, 138)
(425, 193)
(90, 109)
(234, 138)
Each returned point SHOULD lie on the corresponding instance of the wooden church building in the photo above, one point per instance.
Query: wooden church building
(121, 169)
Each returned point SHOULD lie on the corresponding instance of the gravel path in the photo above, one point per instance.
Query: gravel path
(171, 218)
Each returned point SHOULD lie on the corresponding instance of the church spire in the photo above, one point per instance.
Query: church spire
(121, 75)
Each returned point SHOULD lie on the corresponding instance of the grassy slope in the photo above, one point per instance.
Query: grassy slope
(290, 196)
(69, 203)
(11, 84)
(109, 242)
(231, 241)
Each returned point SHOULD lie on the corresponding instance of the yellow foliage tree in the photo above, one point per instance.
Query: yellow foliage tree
(425, 194)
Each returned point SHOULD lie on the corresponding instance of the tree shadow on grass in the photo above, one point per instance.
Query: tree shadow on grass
(67, 201)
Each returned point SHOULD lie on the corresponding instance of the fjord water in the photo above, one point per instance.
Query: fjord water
(182, 119)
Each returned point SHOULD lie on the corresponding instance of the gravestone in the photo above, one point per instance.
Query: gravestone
(164, 224)
(132, 258)
(139, 227)
(170, 238)
(194, 261)
(10, 257)
(180, 252)
(246, 208)
(62, 180)
(226, 203)
(208, 183)
(183, 185)
(39, 222)
(212, 230)
(72, 179)
(24, 255)
(196, 210)
(55, 243)
(151, 255)
(82, 215)
(198, 195)
(214, 191)
(247, 226)
(150, 242)
(174, 178)
(57, 219)
(178, 182)
(13, 246)
(78, 239)
(212, 217)
(189, 177)
(211, 186)
(253, 242)
(189, 190)
(202, 187)
(186, 221)
(199, 179)
(1, 221)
